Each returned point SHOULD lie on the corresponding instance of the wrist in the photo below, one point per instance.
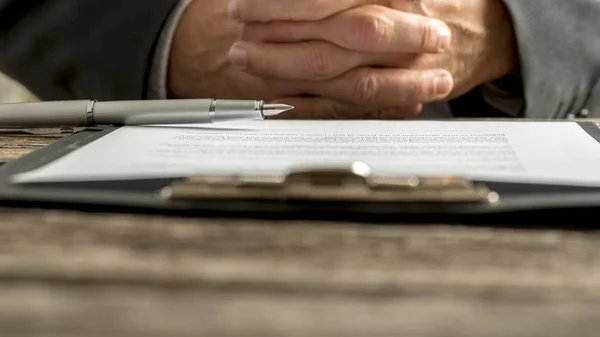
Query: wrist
(502, 54)
(199, 49)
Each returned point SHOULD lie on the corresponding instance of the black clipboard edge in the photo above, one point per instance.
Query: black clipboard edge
(578, 213)
(573, 202)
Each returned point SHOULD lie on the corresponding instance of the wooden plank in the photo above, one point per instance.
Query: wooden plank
(74, 274)
(299, 256)
(15, 145)
(71, 311)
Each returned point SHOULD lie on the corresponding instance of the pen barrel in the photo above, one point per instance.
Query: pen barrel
(51, 113)
(134, 112)
(175, 111)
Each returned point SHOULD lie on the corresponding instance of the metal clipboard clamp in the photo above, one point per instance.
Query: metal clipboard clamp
(347, 184)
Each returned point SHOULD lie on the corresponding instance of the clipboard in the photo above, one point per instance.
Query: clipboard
(350, 193)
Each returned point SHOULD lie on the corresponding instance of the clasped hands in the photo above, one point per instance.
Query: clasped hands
(359, 58)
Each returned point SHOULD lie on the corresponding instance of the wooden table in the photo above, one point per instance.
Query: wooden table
(65, 273)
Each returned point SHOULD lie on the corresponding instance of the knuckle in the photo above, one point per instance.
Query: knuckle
(241, 9)
(424, 87)
(315, 4)
(415, 6)
(317, 7)
(317, 63)
(424, 5)
(372, 28)
(367, 87)
(414, 90)
(412, 111)
(332, 111)
(427, 38)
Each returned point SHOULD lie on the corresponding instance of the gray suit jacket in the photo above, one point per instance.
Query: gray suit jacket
(559, 50)
(114, 49)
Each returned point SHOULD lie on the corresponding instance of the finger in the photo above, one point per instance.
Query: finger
(427, 8)
(313, 61)
(395, 113)
(385, 87)
(369, 28)
(307, 10)
(418, 7)
(319, 108)
(323, 108)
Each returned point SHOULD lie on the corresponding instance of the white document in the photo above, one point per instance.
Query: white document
(511, 151)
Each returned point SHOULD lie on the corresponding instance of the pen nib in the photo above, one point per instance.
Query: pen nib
(275, 109)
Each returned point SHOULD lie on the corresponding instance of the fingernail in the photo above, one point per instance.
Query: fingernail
(232, 9)
(238, 57)
(444, 36)
(443, 84)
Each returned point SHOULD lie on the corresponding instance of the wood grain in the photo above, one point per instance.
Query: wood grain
(127, 275)
(305, 256)
(93, 311)
(65, 273)
(16, 143)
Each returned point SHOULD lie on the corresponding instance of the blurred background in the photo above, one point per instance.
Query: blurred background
(11, 91)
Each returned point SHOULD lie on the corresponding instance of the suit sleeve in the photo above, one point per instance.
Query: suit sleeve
(66, 49)
(157, 88)
(559, 50)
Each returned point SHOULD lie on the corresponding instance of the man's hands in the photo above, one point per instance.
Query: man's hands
(340, 58)
(200, 67)
(394, 51)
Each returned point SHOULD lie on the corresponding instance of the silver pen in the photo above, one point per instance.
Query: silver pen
(137, 112)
